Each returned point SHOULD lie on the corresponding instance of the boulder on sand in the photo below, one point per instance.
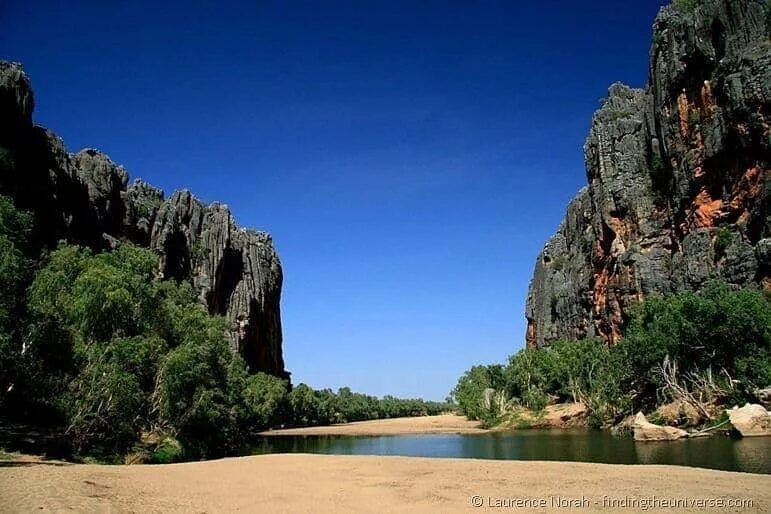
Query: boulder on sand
(644, 430)
(750, 420)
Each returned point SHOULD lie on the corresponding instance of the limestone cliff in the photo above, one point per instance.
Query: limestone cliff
(86, 198)
(678, 189)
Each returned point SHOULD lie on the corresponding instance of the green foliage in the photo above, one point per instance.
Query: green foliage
(306, 406)
(535, 399)
(723, 239)
(660, 175)
(719, 420)
(716, 328)
(199, 252)
(657, 165)
(112, 355)
(15, 225)
(104, 407)
(585, 371)
(530, 374)
(264, 400)
(116, 352)
(50, 293)
(656, 418)
(15, 228)
(169, 450)
(469, 393)
(192, 394)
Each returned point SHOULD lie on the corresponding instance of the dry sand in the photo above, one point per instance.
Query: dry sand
(442, 424)
(336, 483)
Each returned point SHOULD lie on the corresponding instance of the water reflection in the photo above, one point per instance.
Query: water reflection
(750, 454)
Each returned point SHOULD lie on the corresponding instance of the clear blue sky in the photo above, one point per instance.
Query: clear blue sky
(410, 158)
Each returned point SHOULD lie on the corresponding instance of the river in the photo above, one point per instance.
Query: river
(719, 452)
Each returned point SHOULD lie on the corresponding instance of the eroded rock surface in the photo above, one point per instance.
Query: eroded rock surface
(86, 198)
(644, 430)
(751, 420)
(678, 188)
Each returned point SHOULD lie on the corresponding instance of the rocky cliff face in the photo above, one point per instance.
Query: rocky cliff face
(86, 198)
(678, 189)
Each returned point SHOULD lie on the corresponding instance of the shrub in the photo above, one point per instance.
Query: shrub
(535, 399)
(264, 400)
(469, 393)
(306, 407)
(726, 331)
(169, 450)
(531, 369)
(192, 396)
(720, 338)
(585, 371)
(723, 239)
(104, 407)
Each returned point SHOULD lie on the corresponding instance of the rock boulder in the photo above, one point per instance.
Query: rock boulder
(750, 420)
(644, 430)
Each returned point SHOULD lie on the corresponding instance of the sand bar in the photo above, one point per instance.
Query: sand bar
(441, 424)
(336, 483)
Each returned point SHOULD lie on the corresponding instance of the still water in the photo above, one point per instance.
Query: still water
(719, 452)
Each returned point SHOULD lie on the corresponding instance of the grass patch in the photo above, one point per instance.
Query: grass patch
(657, 419)
(519, 418)
(170, 450)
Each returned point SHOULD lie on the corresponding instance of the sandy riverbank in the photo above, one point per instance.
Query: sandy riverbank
(441, 424)
(337, 483)
(568, 415)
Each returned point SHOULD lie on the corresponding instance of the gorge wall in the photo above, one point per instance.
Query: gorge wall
(678, 184)
(85, 198)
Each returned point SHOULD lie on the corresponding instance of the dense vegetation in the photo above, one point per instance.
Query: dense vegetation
(707, 348)
(123, 362)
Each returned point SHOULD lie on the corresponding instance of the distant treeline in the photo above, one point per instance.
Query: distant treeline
(94, 345)
(706, 349)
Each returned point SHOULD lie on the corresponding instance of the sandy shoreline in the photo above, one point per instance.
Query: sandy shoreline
(356, 483)
(338, 483)
(441, 424)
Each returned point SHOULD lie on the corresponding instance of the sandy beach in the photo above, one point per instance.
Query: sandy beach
(441, 424)
(336, 483)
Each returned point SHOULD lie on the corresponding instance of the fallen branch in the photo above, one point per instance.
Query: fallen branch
(703, 433)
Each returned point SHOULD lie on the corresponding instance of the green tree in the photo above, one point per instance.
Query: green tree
(15, 228)
(193, 396)
(306, 407)
(716, 328)
(469, 393)
(264, 400)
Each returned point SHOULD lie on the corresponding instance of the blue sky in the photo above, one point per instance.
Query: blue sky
(409, 158)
